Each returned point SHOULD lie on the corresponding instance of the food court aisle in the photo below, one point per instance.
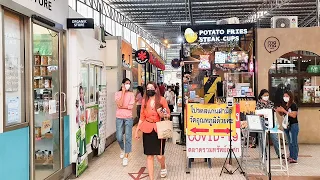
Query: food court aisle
(109, 167)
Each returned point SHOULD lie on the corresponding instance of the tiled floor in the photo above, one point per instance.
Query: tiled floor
(108, 166)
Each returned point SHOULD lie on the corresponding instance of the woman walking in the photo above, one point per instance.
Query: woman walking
(290, 109)
(170, 97)
(139, 97)
(124, 122)
(153, 109)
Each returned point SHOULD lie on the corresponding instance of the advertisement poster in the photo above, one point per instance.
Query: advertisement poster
(82, 159)
(247, 108)
(102, 119)
(216, 145)
(92, 128)
(13, 111)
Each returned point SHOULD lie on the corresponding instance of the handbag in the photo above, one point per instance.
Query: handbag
(164, 129)
(285, 122)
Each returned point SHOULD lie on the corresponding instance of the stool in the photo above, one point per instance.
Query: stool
(245, 149)
(283, 168)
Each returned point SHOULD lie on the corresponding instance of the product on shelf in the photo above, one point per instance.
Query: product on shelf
(41, 83)
(47, 83)
(37, 71)
(36, 108)
(36, 83)
(43, 71)
(37, 60)
(45, 106)
(44, 60)
(38, 132)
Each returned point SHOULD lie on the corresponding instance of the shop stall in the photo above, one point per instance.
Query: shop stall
(149, 71)
(217, 63)
(32, 89)
(86, 91)
(288, 59)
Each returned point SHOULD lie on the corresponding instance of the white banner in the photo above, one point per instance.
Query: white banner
(212, 146)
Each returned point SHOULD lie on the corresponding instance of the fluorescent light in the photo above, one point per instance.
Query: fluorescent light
(181, 22)
(205, 21)
(180, 39)
(155, 23)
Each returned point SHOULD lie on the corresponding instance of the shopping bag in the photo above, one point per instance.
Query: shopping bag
(164, 129)
(285, 122)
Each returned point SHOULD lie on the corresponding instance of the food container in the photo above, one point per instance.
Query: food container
(36, 71)
(38, 132)
(41, 83)
(37, 60)
(47, 83)
(43, 71)
(44, 60)
(50, 60)
(36, 83)
(45, 106)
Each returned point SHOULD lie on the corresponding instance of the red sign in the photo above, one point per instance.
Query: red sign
(157, 63)
(140, 175)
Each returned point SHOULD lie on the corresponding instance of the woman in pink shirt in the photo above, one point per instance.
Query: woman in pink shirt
(125, 100)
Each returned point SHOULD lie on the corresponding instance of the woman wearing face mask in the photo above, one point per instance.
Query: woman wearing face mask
(153, 109)
(170, 97)
(264, 103)
(125, 100)
(290, 109)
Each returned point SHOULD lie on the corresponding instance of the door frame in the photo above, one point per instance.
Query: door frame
(61, 45)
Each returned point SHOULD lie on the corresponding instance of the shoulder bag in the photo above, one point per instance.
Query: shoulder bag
(164, 129)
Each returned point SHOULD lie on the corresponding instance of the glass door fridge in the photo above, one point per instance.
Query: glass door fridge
(47, 131)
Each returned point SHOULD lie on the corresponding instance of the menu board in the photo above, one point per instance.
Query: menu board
(231, 57)
(102, 119)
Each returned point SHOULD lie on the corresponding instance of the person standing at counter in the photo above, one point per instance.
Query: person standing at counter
(125, 100)
(264, 103)
(290, 109)
(153, 109)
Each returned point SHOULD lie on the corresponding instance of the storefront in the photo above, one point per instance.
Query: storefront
(149, 71)
(33, 87)
(284, 64)
(219, 62)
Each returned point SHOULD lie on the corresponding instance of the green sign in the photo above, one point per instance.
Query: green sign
(313, 69)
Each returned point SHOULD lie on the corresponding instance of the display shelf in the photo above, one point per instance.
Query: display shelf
(45, 136)
(39, 77)
(42, 162)
(48, 65)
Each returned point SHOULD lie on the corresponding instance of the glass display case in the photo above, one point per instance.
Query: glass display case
(240, 84)
(46, 86)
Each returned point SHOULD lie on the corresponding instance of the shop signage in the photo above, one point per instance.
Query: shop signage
(271, 44)
(205, 34)
(156, 62)
(80, 23)
(55, 10)
(142, 56)
(210, 119)
(313, 69)
(214, 146)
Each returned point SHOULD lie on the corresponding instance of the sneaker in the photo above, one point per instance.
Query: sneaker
(122, 155)
(125, 161)
(292, 161)
(163, 173)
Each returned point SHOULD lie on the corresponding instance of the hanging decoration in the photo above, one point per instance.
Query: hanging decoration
(175, 63)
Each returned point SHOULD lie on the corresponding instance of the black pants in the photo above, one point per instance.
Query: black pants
(171, 110)
(138, 111)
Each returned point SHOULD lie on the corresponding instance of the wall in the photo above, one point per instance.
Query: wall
(14, 154)
(291, 39)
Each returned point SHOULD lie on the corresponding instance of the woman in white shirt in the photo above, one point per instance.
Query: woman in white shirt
(170, 97)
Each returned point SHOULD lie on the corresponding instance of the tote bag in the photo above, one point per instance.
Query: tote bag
(285, 122)
(164, 129)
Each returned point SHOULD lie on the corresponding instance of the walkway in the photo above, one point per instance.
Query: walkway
(109, 167)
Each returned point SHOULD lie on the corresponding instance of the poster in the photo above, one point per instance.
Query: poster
(214, 146)
(247, 108)
(13, 112)
(92, 128)
(102, 119)
(210, 119)
(82, 155)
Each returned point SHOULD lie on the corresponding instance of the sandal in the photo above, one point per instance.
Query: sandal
(163, 173)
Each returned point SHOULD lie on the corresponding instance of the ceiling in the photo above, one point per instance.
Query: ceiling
(162, 18)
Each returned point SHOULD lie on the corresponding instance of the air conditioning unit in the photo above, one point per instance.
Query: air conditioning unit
(284, 22)
(233, 20)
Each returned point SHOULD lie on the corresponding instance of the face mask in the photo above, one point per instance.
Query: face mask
(169, 90)
(151, 93)
(127, 86)
(265, 98)
(286, 99)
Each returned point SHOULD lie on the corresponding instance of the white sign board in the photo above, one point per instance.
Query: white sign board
(55, 10)
(212, 146)
(102, 119)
